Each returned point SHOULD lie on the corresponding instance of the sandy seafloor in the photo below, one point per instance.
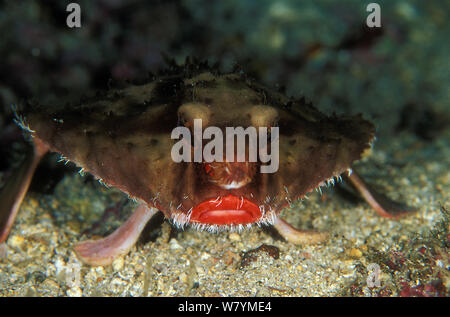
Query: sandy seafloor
(411, 251)
(399, 80)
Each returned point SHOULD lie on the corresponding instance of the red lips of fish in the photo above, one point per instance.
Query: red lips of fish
(226, 211)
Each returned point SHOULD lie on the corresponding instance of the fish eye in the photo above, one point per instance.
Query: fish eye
(190, 111)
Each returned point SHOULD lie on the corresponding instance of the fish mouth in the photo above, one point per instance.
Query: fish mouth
(228, 210)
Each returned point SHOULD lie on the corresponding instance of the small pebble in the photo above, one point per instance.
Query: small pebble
(118, 264)
(16, 241)
(234, 236)
(74, 292)
(174, 245)
(183, 277)
(355, 253)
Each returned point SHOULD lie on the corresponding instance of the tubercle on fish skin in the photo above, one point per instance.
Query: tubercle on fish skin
(331, 181)
(20, 120)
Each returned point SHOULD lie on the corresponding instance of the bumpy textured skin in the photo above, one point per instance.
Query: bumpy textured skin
(123, 138)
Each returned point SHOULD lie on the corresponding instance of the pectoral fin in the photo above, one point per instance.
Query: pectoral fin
(105, 250)
(384, 206)
(12, 194)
